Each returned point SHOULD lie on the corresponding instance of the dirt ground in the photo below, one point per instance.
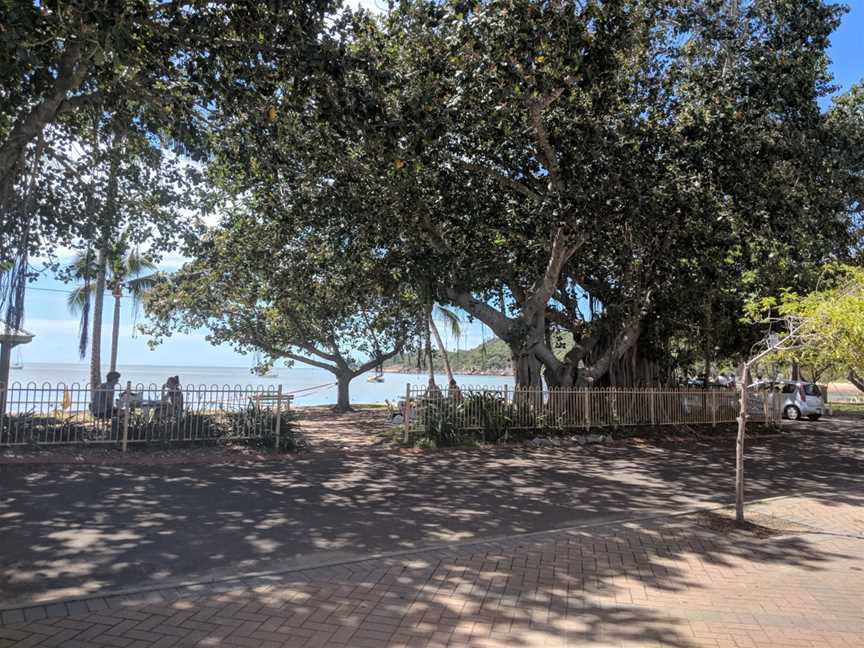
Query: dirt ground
(366, 428)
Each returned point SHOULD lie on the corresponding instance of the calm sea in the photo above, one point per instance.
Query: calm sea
(293, 379)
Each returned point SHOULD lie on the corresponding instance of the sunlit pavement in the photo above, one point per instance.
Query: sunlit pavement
(73, 531)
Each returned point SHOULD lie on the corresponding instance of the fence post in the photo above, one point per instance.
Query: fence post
(406, 411)
(507, 430)
(588, 408)
(278, 416)
(126, 414)
(713, 393)
(652, 395)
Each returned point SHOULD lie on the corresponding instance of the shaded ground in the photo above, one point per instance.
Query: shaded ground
(364, 429)
(669, 582)
(67, 530)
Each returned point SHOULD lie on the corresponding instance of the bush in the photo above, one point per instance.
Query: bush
(266, 420)
(449, 422)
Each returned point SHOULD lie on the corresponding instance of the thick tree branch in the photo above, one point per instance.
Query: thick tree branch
(299, 358)
(855, 379)
(491, 317)
(71, 74)
(542, 290)
(623, 341)
(374, 362)
(547, 153)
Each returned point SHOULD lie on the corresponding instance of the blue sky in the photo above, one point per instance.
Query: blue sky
(57, 330)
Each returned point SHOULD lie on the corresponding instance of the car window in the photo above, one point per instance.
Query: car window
(789, 388)
(812, 390)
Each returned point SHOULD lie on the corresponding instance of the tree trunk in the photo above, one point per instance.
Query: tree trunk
(109, 214)
(796, 370)
(115, 330)
(855, 379)
(526, 368)
(98, 303)
(709, 337)
(739, 447)
(429, 358)
(343, 400)
(443, 351)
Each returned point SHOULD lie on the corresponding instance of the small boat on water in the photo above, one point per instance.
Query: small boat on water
(378, 376)
(17, 363)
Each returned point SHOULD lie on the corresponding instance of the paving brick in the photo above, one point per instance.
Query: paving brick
(663, 582)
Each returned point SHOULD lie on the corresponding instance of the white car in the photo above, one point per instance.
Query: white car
(801, 399)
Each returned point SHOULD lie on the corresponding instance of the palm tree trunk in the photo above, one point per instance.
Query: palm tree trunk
(429, 358)
(441, 348)
(115, 331)
(109, 217)
(98, 302)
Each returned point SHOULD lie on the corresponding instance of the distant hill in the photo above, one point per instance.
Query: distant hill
(491, 358)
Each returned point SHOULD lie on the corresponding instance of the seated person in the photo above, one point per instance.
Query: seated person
(102, 403)
(172, 398)
(454, 392)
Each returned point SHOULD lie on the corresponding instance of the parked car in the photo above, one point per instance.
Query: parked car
(801, 399)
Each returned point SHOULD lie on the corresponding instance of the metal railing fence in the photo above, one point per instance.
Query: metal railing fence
(54, 414)
(504, 409)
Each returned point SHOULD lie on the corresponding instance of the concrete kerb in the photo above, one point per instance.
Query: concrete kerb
(169, 591)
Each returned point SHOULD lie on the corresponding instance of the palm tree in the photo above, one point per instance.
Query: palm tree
(127, 273)
(454, 321)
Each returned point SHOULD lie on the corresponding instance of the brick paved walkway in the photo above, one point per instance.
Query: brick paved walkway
(795, 579)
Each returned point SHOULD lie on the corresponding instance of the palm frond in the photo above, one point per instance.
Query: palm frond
(84, 265)
(451, 317)
(84, 332)
(135, 263)
(78, 298)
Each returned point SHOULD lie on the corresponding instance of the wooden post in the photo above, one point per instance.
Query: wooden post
(278, 416)
(739, 447)
(126, 411)
(405, 413)
(653, 396)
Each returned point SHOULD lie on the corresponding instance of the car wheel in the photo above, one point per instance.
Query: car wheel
(814, 417)
(792, 413)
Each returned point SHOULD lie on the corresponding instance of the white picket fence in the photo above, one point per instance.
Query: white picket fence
(471, 409)
(54, 414)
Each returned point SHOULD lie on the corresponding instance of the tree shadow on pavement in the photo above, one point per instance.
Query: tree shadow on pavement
(613, 585)
(70, 531)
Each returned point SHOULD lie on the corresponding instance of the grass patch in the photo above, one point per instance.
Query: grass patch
(847, 408)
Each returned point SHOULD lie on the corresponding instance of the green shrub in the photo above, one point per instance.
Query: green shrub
(475, 417)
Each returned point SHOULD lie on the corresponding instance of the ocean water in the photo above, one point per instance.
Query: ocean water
(293, 379)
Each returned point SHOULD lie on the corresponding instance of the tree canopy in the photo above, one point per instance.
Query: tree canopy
(162, 70)
(625, 172)
(830, 319)
(321, 301)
